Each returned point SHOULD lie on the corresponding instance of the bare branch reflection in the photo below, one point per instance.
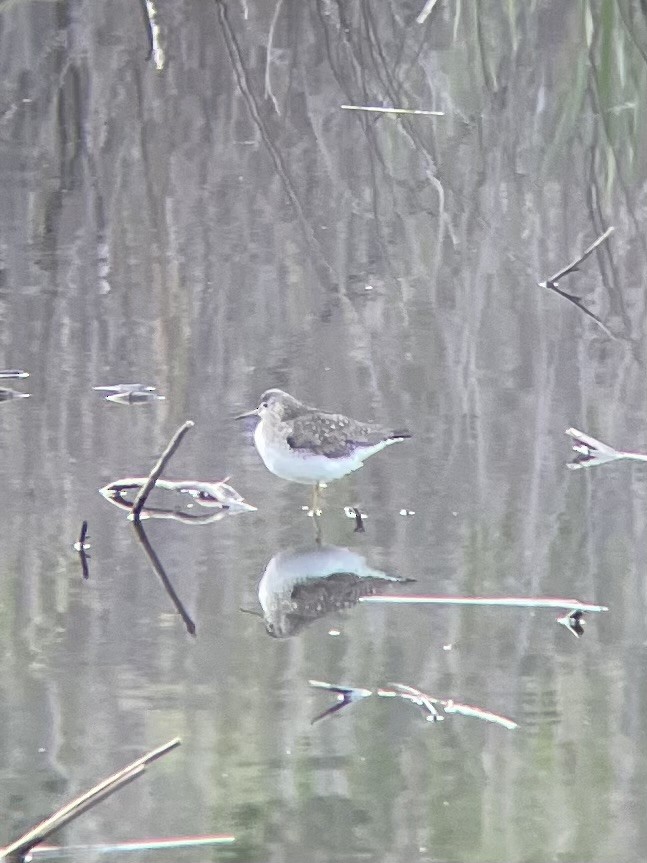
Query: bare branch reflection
(163, 577)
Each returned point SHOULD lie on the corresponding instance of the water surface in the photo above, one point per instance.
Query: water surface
(222, 226)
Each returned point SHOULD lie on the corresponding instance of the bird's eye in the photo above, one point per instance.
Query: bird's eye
(264, 404)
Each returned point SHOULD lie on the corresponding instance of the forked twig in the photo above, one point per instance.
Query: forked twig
(346, 695)
(590, 451)
(155, 474)
(21, 847)
(552, 281)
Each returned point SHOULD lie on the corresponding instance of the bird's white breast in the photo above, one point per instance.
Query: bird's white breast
(306, 467)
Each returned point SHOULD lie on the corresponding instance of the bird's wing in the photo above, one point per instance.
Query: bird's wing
(332, 435)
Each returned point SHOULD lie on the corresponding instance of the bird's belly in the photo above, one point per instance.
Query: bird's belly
(302, 466)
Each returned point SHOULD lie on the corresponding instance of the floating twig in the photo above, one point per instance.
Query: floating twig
(156, 472)
(415, 696)
(427, 9)
(125, 388)
(552, 282)
(21, 847)
(219, 498)
(345, 695)
(590, 452)
(137, 397)
(381, 110)
(82, 547)
(501, 602)
(13, 373)
(448, 705)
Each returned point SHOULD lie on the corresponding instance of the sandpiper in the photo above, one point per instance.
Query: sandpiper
(307, 445)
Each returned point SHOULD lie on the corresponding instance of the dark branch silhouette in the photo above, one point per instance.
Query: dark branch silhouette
(345, 695)
(163, 577)
(82, 547)
(552, 282)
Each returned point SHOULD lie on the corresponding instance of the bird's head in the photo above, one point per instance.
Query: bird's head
(276, 403)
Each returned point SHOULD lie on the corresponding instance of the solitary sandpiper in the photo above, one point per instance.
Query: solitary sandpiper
(307, 445)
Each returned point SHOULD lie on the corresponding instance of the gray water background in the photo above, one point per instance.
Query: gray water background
(222, 226)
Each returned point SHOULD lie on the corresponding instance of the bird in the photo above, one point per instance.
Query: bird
(304, 444)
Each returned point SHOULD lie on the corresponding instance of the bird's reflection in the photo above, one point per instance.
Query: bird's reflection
(299, 587)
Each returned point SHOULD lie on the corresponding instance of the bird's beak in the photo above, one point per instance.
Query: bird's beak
(253, 413)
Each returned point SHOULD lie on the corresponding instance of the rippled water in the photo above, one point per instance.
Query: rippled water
(221, 226)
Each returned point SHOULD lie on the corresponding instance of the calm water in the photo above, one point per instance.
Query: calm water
(222, 226)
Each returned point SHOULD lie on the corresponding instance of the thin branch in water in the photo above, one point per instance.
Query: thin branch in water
(415, 696)
(590, 451)
(53, 851)
(497, 602)
(155, 474)
(552, 282)
(268, 59)
(448, 705)
(155, 49)
(163, 577)
(380, 110)
(427, 9)
(20, 848)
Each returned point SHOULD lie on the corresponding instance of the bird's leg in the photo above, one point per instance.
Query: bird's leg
(318, 533)
(314, 510)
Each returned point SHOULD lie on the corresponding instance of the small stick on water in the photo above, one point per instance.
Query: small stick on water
(155, 474)
(393, 110)
(20, 848)
(359, 521)
(82, 547)
(427, 9)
